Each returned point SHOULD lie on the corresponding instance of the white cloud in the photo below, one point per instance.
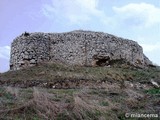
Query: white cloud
(152, 52)
(81, 11)
(140, 15)
(151, 47)
(5, 52)
(75, 11)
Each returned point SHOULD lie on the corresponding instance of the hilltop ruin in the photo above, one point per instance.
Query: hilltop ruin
(84, 48)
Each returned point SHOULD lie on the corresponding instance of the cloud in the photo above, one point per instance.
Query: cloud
(140, 15)
(152, 52)
(151, 47)
(74, 11)
(82, 11)
(5, 52)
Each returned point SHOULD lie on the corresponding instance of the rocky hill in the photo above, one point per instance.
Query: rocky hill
(83, 48)
(59, 76)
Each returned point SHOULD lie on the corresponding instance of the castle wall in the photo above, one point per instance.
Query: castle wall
(29, 50)
(74, 48)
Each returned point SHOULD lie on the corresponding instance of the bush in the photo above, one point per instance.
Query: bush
(153, 91)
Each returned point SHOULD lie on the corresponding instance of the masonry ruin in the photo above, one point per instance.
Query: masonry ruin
(83, 48)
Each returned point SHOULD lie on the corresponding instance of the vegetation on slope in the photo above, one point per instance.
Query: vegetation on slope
(52, 72)
(60, 92)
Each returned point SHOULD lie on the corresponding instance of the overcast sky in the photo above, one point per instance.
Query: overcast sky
(138, 20)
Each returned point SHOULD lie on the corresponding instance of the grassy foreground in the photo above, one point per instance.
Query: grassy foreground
(60, 92)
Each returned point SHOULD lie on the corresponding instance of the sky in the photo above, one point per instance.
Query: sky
(138, 20)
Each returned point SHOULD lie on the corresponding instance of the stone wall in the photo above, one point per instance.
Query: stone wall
(85, 48)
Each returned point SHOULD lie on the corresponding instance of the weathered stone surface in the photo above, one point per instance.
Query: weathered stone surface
(75, 48)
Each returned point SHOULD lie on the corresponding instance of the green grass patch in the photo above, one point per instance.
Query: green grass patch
(153, 91)
(53, 72)
(104, 103)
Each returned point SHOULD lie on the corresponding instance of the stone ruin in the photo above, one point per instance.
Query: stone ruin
(83, 48)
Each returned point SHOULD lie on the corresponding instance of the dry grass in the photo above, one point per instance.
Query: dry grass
(13, 90)
(45, 106)
(82, 104)
(99, 93)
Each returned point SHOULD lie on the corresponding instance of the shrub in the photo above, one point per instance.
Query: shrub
(153, 91)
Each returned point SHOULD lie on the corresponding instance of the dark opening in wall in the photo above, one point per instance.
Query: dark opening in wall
(102, 62)
(11, 67)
